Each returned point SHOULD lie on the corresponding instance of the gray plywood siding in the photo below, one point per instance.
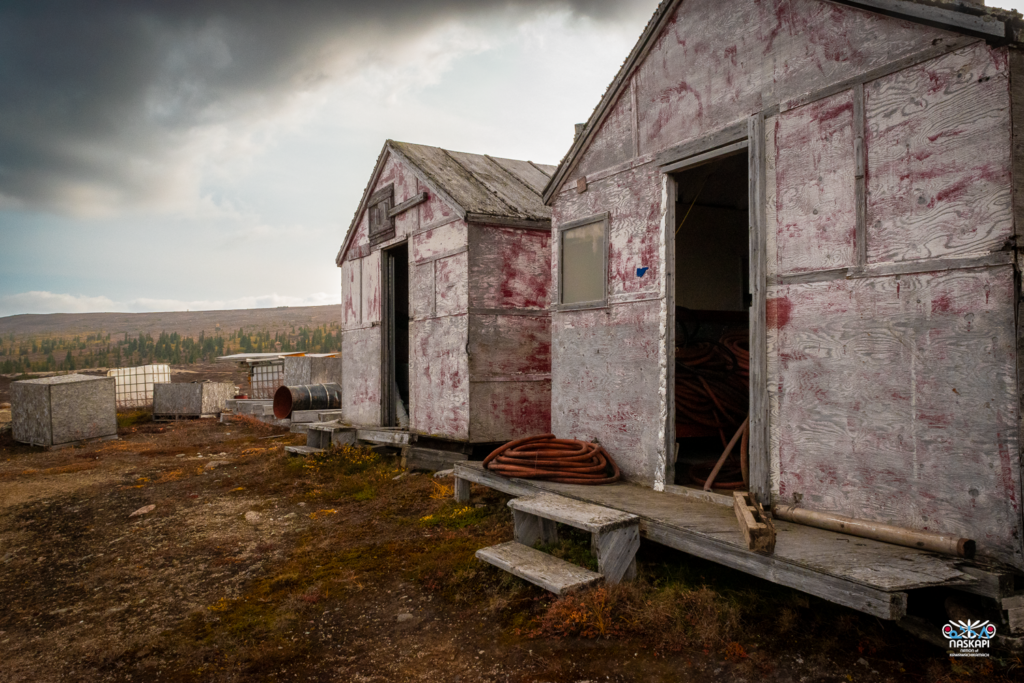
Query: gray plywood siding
(439, 377)
(360, 395)
(509, 268)
(606, 382)
(502, 411)
(896, 402)
(83, 409)
(510, 381)
(938, 150)
(718, 62)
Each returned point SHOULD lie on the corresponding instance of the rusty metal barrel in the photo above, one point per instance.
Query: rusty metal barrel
(306, 397)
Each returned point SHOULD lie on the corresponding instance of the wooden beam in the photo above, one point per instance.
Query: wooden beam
(507, 221)
(859, 179)
(760, 457)
(939, 48)
(720, 138)
(415, 200)
(705, 158)
(985, 25)
(997, 258)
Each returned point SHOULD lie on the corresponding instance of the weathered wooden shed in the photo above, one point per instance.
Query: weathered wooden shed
(844, 181)
(445, 275)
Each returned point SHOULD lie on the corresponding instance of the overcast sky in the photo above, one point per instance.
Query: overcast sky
(203, 154)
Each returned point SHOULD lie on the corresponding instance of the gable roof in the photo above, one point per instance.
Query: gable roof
(996, 25)
(480, 188)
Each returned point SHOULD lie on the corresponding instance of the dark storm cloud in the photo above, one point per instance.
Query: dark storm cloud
(97, 97)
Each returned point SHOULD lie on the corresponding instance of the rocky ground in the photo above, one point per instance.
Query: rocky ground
(196, 551)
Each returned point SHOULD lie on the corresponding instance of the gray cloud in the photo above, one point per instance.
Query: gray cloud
(99, 98)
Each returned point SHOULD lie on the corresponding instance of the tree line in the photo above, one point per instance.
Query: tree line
(98, 350)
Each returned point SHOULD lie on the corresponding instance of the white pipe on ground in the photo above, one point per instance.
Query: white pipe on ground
(922, 540)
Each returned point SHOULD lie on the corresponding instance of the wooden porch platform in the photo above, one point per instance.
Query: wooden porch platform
(865, 575)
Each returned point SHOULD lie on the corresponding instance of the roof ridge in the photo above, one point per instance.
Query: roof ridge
(513, 175)
(510, 210)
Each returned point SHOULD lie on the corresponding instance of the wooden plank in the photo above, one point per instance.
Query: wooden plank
(385, 436)
(707, 157)
(757, 529)
(1016, 69)
(616, 552)
(846, 563)
(586, 516)
(860, 184)
(415, 200)
(815, 199)
(451, 285)
(938, 47)
(986, 24)
(728, 135)
(990, 583)
(462, 491)
(531, 529)
(547, 571)
(760, 464)
(939, 170)
(872, 270)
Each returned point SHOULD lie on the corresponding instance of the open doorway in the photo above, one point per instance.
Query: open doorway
(395, 338)
(712, 285)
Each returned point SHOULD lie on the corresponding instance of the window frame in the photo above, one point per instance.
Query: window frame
(386, 230)
(603, 219)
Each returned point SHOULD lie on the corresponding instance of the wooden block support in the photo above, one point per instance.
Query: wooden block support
(616, 553)
(529, 529)
(1015, 620)
(757, 529)
(461, 490)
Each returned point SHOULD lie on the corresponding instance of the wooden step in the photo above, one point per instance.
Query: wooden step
(615, 535)
(547, 571)
(302, 450)
(575, 513)
(393, 437)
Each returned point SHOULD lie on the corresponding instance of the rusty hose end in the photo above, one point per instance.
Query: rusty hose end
(965, 548)
(282, 403)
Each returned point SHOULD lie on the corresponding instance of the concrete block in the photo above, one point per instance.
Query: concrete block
(192, 399)
(53, 411)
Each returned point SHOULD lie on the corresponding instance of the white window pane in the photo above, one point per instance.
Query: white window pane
(583, 264)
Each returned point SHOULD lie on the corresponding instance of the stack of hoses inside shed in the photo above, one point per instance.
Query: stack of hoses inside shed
(567, 461)
(712, 391)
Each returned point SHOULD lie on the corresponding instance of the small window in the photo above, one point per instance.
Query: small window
(382, 226)
(583, 252)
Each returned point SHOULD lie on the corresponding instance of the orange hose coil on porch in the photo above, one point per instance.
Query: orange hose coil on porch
(566, 461)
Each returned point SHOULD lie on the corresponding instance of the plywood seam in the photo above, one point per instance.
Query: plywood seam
(437, 257)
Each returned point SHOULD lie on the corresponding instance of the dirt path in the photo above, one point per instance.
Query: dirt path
(254, 566)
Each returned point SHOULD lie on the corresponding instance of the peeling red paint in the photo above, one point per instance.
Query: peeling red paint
(778, 311)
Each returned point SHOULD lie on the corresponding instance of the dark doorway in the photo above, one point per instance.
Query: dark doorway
(712, 285)
(395, 338)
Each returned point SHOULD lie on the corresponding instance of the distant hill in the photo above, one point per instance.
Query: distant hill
(189, 323)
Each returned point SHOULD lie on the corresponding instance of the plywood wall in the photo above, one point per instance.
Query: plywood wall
(892, 396)
(896, 401)
(479, 329)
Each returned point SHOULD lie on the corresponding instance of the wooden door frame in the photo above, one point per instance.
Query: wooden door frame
(388, 346)
(750, 134)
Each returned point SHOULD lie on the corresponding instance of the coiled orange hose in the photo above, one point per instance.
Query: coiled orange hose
(567, 461)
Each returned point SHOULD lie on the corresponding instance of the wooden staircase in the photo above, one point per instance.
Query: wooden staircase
(615, 538)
